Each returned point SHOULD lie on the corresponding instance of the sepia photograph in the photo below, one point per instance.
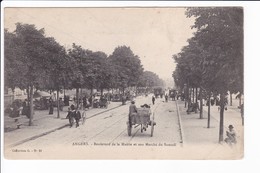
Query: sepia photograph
(119, 83)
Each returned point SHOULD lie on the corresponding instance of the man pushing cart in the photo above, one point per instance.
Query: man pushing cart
(140, 117)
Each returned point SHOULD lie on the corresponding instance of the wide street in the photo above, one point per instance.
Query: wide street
(110, 128)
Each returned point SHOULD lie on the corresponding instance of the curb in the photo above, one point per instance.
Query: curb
(180, 123)
(53, 130)
(36, 136)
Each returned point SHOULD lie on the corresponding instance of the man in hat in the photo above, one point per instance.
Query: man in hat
(231, 135)
(70, 117)
(77, 117)
(132, 112)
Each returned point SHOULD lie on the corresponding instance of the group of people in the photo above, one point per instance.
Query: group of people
(231, 138)
(75, 114)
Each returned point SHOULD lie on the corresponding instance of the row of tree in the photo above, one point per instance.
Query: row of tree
(213, 59)
(35, 61)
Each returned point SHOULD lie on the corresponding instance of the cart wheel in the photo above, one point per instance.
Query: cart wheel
(129, 128)
(152, 128)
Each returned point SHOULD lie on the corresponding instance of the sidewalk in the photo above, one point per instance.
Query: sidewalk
(43, 123)
(197, 135)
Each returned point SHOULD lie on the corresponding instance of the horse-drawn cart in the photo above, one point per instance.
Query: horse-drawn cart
(141, 118)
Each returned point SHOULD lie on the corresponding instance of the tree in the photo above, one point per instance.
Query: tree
(57, 68)
(189, 71)
(104, 72)
(30, 56)
(13, 54)
(127, 65)
(220, 32)
(150, 79)
(79, 68)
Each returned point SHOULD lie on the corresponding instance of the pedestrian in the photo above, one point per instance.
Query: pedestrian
(226, 102)
(242, 112)
(231, 135)
(90, 100)
(84, 116)
(24, 111)
(153, 99)
(77, 117)
(123, 100)
(132, 113)
(84, 102)
(166, 98)
(71, 114)
(70, 117)
(212, 102)
(174, 95)
(61, 104)
(51, 106)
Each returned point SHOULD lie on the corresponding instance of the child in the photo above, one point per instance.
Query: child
(231, 135)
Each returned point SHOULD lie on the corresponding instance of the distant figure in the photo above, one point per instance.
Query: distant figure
(166, 98)
(61, 104)
(174, 95)
(231, 135)
(25, 108)
(84, 102)
(51, 106)
(153, 99)
(123, 100)
(242, 112)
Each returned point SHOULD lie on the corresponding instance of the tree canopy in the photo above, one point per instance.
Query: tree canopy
(127, 65)
(213, 59)
(44, 64)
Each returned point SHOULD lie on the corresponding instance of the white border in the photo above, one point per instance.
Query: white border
(252, 143)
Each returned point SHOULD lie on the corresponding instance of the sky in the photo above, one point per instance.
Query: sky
(154, 34)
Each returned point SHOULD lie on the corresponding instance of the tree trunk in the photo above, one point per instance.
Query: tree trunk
(201, 104)
(196, 95)
(186, 94)
(240, 100)
(91, 91)
(77, 97)
(28, 95)
(189, 99)
(101, 90)
(31, 106)
(230, 99)
(209, 110)
(221, 122)
(58, 104)
(193, 95)
(64, 92)
(91, 96)
(81, 99)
